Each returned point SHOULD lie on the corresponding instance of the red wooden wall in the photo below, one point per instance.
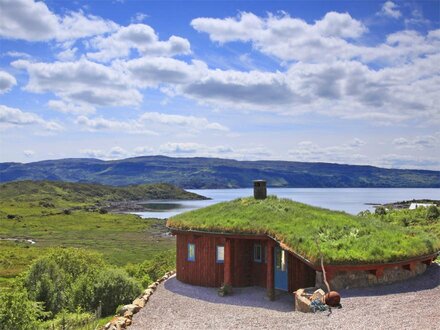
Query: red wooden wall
(205, 271)
(300, 274)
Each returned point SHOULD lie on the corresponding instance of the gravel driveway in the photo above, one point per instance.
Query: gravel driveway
(413, 304)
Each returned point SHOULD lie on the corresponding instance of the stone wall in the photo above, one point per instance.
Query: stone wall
(361, 279)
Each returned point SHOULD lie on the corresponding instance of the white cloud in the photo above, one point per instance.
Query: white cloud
(82, 81)
(33, 21)
(7, 81)
(72, 108)
(139, 37)
(327, 40)
(308, 151)
(195, 123)
(285, 37)
(18, 54)
(149, 123)
(67, 55)
(102, 124)
(389, 9)
(418, 142)
(13, 117)
(114, 153)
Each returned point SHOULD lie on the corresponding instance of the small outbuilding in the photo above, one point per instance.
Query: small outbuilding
(278, 244)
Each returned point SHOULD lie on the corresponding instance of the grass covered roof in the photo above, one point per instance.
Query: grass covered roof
(343, 238)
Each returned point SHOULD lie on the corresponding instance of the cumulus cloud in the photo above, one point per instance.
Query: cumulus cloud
(139, 37)
(149, 123)
(13, 117)
(285, 37)
(418, 142)
(73, 108)
(7, 81)
(114, 153)
(33, 21)
(389, 9)
(81, 81)
(308, 151)
(195, 123)
(293, 39)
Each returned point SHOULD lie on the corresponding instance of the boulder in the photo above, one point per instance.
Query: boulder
(140, 302)
(148, 292)
(302, 303)
(128, 315)
(129, 308)
(146, 298)
(318, 294)
(153, 286)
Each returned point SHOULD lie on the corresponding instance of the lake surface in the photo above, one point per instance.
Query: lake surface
(350, 200)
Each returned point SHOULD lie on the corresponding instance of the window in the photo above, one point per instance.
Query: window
(220, 254)
(191, 252)
(257, 253)
(280, 260)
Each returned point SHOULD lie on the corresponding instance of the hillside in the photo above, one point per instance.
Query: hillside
(68, 192)
(216, 173)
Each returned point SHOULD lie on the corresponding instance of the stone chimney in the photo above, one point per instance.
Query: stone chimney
(260, 191)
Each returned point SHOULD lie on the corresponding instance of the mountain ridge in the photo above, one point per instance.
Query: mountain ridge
(206, 172)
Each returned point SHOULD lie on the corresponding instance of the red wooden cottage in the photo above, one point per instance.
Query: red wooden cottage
(210, 254)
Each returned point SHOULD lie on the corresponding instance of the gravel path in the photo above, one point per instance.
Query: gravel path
(413, 304)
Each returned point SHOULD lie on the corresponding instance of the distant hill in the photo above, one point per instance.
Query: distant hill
(216, 173)
(68, 192)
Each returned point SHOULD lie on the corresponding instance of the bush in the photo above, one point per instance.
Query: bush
(432, 213)
(65, 320)
(108, 288)
(66, 279)
(150, 270)
(17, 311)
(380, 210)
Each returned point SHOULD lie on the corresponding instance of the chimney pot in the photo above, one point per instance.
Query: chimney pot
(260, 191)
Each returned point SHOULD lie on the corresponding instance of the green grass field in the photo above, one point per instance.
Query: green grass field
(121, 238)
(343, 238)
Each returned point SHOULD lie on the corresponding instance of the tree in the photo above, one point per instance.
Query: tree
(432, 213)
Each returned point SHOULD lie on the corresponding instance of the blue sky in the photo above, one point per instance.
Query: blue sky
(353, 82)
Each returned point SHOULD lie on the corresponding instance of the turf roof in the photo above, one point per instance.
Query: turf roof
(343, 238)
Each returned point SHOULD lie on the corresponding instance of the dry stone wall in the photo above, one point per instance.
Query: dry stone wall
(361, 279)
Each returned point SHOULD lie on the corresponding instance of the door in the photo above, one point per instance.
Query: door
(280, 266)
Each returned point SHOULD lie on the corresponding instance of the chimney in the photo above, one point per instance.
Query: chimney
(260, 191)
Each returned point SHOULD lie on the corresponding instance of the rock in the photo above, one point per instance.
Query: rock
(302, 303)
(128, 314)
(146, 298)
(107, 326)
(148, 292)
(153, 286)
(318, 294)
(140, 302)
(128, 322)
(129, 308)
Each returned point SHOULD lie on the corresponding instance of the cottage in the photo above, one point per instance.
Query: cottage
(277, 244)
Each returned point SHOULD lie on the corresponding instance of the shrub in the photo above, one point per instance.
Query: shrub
(432, 213)
(380, 210)
(103, 211)
(67, 211)
(50, 278)
(110, 288)
(17, 311)
(66, 279)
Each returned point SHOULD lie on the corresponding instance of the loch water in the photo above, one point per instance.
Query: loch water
(350, 200)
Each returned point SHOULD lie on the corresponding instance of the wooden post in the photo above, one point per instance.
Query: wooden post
(227, 275)
(270, 284)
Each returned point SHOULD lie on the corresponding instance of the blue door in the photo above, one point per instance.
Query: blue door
(280, 266)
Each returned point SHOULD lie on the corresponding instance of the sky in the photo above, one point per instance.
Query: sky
(353, 82)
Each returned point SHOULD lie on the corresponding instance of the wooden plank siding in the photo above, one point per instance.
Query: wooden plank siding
(300, 275)
(205, 271)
